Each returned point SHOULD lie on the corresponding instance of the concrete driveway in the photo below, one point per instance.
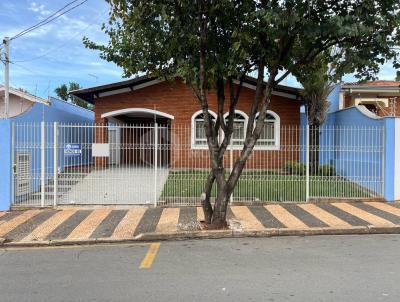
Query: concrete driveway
(117, 185)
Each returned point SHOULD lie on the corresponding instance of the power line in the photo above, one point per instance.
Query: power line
(49, 19)
(61, 45)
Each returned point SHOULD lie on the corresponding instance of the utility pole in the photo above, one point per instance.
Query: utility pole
(6, 43)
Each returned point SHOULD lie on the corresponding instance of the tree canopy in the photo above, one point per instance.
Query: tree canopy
(63, 91)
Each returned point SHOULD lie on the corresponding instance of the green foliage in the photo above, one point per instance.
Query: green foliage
(63, 91)
(164, 37)
(295, 168)
(318, 81)
(398, 75)
(327, 170)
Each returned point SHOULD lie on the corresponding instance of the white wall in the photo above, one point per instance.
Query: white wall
(17, 106)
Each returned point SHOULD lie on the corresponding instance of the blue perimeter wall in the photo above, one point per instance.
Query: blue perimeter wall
(352, 162)
(57, 111)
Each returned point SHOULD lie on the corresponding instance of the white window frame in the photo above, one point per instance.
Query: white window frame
(193, 130)
(246, 119)
(277, 129)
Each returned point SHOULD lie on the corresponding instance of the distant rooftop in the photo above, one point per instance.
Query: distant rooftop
(23, 94)
(378, 83)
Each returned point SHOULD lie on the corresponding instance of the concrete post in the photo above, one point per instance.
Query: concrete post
(392, 159)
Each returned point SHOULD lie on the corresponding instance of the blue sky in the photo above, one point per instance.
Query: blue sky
(54, 54)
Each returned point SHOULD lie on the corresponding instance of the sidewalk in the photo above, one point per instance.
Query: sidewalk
(110, 224)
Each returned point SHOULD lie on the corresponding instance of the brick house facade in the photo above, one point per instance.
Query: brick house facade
(173, 106)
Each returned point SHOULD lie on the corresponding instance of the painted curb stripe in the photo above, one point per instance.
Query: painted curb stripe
(10, 215)
(265, 217)
(200, 214)
(28, 226)
(169, 220)
(385, 207)
(285, 217)
(229, 213)
(349, 218)
(324, 216)
(383, 214)
(107, 226)
(371, 218)
(246, 218)
(89, 224)
(149, 221)
(16, 221)
(43, 230)
(187, 215)
(150, 256)
(307, 218)
(66, 227)
(126, 228)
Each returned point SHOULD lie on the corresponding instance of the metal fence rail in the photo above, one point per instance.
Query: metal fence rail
(158, 164)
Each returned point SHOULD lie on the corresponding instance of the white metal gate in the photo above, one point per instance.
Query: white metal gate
(157, 164)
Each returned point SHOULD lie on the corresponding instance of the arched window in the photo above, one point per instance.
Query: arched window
(270, 135)
(199, 138)
(239, 127)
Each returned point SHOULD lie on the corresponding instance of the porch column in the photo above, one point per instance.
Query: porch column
(101, 137)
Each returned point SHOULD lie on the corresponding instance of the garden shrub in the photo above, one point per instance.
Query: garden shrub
(295, 168)
(327, 170)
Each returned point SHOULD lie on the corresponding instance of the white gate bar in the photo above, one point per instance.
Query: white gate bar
(307, 163)
(155, 161)
(55, 167)
(13, 166)
(231, 166)
(43, 164)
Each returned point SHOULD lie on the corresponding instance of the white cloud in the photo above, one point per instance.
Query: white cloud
(39, 8)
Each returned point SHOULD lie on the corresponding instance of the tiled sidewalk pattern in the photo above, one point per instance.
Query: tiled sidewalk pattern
(113, 223)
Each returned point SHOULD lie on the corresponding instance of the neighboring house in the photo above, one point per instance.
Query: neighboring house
(380, 97)
(146, 100)
(370, 113)
(28, 111)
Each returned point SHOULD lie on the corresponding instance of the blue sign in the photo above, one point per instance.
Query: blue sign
(72, 150)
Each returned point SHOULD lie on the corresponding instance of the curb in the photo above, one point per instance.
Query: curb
(217, 234)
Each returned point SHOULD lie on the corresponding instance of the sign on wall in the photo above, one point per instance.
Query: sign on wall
(100, 150)
(72, 150)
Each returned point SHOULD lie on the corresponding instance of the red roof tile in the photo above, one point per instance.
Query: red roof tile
(378, 83)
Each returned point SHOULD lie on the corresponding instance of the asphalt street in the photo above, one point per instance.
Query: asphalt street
(325, 268)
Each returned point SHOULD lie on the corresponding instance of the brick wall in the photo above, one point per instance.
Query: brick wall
(178, 100)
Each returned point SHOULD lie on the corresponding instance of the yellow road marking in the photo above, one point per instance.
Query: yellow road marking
(324, 216)
(89, 224)
(370, 218)
(285, 217)
(385, 207)
(247, 219)
(127, 226)
(44, 229)
(200, 214)
(150, 256)
(16, 221)
(169, 220)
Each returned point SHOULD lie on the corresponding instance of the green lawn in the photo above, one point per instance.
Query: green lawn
(263, 185)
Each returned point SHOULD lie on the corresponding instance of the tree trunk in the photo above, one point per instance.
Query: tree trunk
(206, 198)
(220, 208)
(314, 149)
